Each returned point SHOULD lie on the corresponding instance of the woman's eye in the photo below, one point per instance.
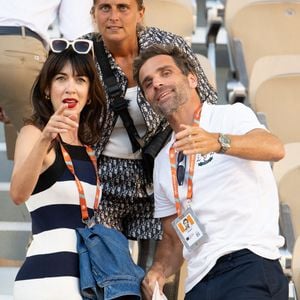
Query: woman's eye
(104, 8)
(82, 79)
(60, 78)
(123, 8)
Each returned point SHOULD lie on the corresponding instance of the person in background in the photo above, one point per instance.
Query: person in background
(67, 99)
(23, 49)
(127, 200)
(215, 171)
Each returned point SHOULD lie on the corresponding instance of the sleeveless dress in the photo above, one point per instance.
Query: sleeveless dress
(51, 268)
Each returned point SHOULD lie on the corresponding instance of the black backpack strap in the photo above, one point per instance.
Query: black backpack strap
(119, 105)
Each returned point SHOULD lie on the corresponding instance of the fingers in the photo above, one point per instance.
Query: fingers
(148, 284)
(60, 122)
(195, 140)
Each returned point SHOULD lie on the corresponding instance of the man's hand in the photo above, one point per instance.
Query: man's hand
(193, 140)
(148, 284)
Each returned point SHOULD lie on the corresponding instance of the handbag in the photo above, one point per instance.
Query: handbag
(107, 270)
(120, 107)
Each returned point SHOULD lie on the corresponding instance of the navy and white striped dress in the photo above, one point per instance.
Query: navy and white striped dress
(51, 270)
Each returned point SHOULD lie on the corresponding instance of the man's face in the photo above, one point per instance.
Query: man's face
(164, 85)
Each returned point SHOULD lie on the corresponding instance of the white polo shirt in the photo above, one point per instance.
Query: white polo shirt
(235, 199)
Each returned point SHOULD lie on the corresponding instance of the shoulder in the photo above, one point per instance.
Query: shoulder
(153, 34)
(235, 108)
(28, 130)
(94, 36)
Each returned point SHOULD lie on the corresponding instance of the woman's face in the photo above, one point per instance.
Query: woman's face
(117, 20)
(69, 87)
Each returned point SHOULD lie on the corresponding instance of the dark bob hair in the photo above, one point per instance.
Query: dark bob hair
(83, 65)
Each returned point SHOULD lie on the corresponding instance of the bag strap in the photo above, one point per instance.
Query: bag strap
(119, 105)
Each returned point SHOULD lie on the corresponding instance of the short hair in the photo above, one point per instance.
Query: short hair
(140, 4)
(180, 58)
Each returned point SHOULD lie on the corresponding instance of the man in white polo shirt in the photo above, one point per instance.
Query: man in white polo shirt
(215, 172)
(23, 41)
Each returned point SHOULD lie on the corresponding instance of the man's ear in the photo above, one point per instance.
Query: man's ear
(192, 78)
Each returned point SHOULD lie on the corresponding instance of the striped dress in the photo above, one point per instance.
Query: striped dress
(50, 270)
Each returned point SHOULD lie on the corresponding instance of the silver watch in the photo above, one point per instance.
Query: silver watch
(225, 142)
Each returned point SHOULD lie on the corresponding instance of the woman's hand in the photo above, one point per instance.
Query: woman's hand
(60, 122)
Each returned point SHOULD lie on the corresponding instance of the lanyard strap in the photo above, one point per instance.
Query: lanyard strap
(82, 199)
(172, 157)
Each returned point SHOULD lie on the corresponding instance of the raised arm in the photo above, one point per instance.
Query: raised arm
(32, 156)
(167, 260)
(257, 144)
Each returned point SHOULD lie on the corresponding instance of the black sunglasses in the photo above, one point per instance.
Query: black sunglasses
(180, 172)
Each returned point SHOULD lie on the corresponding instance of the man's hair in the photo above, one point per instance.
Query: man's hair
(180, 58)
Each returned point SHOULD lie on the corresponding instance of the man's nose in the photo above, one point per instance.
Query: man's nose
(157, 82)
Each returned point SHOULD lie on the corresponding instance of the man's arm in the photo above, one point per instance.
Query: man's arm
(167, 260)
(257, 144)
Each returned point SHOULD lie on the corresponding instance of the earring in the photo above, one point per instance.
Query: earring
(89, 102)
(47, 97)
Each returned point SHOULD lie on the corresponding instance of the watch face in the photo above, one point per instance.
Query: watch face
(225, 141)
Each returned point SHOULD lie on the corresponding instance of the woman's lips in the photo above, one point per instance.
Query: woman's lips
(71, 102)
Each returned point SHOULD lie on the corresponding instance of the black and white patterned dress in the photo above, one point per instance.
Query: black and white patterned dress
(125, 203)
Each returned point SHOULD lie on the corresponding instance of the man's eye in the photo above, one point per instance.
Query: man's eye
(166, 73)
(147, 84)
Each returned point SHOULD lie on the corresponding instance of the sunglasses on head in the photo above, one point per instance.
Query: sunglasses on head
(80, 46)
(180, 172)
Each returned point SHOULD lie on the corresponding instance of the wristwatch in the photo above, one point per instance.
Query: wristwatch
(225, 142)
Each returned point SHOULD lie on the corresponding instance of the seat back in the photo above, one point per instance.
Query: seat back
(296, 266)
(264, 27)
(287, 175)
(175, 16)
(274, 89)
(207, 68)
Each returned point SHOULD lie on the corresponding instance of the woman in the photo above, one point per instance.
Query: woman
(127, 204)
(67, 98)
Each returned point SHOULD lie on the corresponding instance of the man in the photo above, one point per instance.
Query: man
(227, 189)
(23, 40)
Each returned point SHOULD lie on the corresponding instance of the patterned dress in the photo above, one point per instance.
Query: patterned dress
(51, 269)
(126, 204)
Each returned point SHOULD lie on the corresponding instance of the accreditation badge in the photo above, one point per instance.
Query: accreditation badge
(189, 229)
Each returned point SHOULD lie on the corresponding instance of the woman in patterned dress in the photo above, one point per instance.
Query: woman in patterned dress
(67, 98)
(127, 201)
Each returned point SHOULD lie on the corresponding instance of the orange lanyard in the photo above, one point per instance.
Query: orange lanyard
(172, 157)
(82, 199)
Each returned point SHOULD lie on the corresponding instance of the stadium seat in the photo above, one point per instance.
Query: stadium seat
(287, 175)
(264, 27)
(177, 16)
(258, 28)
(296, 266)
(274, 90)
(208, 70)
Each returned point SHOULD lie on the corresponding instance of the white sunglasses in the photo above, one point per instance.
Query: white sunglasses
(80, 46)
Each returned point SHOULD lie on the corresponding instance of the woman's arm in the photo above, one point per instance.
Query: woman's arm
(30, 154)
